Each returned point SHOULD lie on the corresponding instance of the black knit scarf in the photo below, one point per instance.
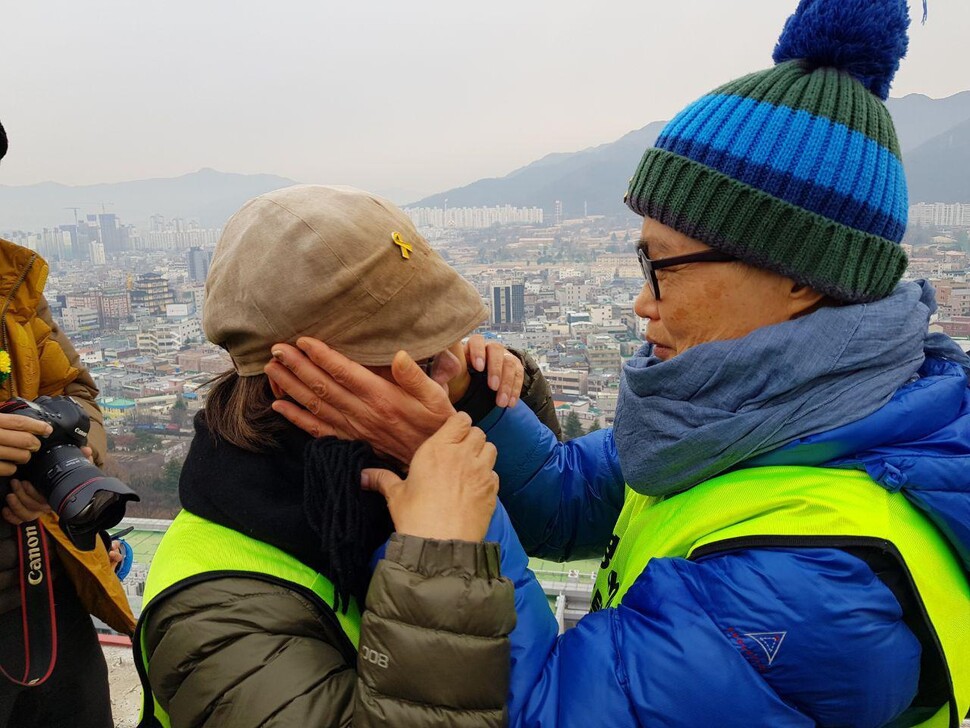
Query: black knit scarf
(302, 496)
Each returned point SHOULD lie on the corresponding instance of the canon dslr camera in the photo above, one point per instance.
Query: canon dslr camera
(85, 499)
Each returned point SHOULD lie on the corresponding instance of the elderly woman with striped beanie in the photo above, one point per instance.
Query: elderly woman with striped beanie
(783, 505)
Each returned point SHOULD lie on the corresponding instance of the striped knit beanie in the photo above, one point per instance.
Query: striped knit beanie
(796, 169)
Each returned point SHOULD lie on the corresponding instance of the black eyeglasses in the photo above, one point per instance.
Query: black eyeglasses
(650, 267)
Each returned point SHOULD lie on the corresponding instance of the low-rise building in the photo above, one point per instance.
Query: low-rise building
(603, 353)
(570, 382)
(80, 320)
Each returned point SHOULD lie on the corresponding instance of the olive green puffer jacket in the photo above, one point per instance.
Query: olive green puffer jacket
(243, 653)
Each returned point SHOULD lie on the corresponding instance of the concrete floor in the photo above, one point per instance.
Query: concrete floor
(125, 688)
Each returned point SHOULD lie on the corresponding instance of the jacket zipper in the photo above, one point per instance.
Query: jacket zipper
(3, 318)
(838, 542)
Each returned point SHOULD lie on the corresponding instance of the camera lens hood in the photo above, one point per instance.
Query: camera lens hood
(94, 505)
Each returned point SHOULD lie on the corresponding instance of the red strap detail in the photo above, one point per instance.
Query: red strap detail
(38, 620)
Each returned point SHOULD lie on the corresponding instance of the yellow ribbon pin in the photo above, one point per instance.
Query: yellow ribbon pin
(405, 246)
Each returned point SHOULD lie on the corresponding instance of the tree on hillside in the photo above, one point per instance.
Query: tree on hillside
(572, 428)
(594, 427)
(917, 235)
(168, 481)
(146, 441)
(179, 413)
(963, 240)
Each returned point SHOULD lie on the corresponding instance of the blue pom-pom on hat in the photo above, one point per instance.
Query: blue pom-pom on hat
(865, 38)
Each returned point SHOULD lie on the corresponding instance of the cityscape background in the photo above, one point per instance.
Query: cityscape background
(559, 283)
(507, 137)
(558, 276)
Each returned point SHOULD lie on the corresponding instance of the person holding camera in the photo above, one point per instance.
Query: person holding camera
(70, 686)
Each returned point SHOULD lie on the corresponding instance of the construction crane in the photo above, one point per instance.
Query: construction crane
(75, 213)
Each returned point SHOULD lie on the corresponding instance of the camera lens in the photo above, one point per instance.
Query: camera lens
(84, 498)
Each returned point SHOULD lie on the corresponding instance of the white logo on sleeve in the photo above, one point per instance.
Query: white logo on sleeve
(374, 657)
(770, 642)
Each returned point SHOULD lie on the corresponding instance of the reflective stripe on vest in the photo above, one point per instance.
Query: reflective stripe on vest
(194, 547)
(799, 503)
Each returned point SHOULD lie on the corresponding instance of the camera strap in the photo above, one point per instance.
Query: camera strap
(29, 661)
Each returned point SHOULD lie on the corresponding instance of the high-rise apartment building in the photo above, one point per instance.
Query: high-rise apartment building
(474, 218)
(940, 214)
(508, 305)
(198, 262)
(110, 233)
(96, 252)
(55, 244)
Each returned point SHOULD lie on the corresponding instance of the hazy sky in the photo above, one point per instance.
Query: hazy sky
(414, 96)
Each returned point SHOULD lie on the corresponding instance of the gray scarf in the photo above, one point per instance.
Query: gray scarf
(685, 420)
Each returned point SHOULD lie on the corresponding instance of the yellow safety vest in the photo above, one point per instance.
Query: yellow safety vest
(194, 549)
(801, 507)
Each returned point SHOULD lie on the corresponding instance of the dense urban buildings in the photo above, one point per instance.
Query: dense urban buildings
(564, 292)
(131, 301)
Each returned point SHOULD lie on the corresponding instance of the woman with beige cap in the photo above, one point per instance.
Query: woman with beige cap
(253, 604)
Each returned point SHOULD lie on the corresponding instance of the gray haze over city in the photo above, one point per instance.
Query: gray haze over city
(403, 98)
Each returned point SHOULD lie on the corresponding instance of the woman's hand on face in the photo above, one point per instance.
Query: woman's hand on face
(451, 489)
(19, 440)
(336, 396)
(505, 370)
(24, 503)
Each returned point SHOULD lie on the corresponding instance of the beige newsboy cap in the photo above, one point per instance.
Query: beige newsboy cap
(338, 264)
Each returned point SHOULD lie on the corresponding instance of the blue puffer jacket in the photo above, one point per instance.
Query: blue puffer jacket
(662, 656)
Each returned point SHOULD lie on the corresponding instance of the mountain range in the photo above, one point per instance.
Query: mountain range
(934, 135)
(208, 196)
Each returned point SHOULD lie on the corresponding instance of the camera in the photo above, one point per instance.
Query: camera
(85, 499)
